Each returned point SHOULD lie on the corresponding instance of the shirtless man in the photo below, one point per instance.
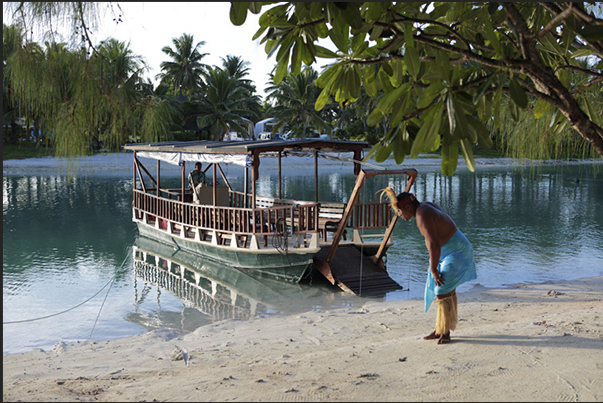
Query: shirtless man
(451, 261)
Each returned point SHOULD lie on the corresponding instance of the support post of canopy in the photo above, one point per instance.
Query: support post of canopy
(246, 189)
(135, 165)
(158, 170)
(214, 192)
(280, 196)
(183, 179)
(254, 175)
(315, 176)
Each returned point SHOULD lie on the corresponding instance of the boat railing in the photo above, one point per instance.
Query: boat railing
(370, 215)
(375, 215)
(294, 219)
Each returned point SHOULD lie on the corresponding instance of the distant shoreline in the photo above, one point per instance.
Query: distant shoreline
(118, 164)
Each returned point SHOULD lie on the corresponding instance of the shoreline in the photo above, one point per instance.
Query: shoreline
(524, 342)
(120, 164)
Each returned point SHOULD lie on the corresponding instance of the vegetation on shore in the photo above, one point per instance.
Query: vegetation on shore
(23, 150)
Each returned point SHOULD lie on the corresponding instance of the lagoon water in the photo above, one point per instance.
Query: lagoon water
(71, 274)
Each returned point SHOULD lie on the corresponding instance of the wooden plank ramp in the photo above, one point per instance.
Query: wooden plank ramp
(353, 272)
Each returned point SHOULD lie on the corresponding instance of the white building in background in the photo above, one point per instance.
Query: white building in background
(263, 129)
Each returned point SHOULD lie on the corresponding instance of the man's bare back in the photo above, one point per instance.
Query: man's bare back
(434, 223)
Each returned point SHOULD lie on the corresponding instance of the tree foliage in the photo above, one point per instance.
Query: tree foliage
(442, 69)
(293, 102)
(81, 100)
(183, 72)
(221, 104)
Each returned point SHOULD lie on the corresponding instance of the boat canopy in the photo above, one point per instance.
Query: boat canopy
(239, 152)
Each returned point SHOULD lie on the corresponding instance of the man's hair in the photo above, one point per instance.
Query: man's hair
(406, 195)
(198, 163)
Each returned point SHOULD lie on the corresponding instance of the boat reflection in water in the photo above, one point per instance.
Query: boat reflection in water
(214, 291)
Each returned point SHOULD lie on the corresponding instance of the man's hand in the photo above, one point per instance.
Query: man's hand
(439, 280)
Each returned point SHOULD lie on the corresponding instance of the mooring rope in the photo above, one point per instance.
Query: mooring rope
(76, 306)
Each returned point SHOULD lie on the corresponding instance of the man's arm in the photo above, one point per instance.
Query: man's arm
(429, 230)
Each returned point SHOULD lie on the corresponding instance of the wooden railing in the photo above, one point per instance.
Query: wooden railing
(293, 218)
(364, 215)
(370, 215)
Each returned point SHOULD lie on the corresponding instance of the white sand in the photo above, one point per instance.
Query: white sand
(526, 343)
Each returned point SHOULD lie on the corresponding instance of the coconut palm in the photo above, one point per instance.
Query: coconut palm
(184, 71)
(222, 106)
(238, 69)
(293, 101)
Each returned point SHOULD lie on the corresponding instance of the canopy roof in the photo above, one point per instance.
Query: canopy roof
(237, 152)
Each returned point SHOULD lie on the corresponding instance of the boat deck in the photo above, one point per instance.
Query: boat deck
(356, 273)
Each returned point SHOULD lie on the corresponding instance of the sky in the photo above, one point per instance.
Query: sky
(150, 26)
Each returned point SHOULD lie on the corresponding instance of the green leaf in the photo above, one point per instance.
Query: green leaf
(468, 154)
(482, 89)
(398, 76)
(491, 35)
(517, 94)
(368, 79)
(402, 145)
(412, 62)
(461, 121)
(322, 99)
(410, 40)
(307, 52)
(255, 7)
(451, 113)
(327, 77)
(425, 139)
(387, 68)
(238, 12)
(590, 111)
(399, 108)
(386, 86)
(374, 117)
(385, 104)
(296, 59)
(324, 52)
(563, 77)
(429, 94)
(384, 152)
(540, 108)
(443, 65)
(281, 68)
(497, 103)
(353, 83)
(340, 37)
(450, 156)
(372, 151)
(481, 132)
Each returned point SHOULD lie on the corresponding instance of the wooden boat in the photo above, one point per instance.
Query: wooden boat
(268, 234)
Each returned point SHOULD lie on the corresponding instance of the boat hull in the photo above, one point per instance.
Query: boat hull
(290, 265)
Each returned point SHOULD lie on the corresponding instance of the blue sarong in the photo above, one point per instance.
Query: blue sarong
(456, 266)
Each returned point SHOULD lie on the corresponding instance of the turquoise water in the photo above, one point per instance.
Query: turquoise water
(70, 272)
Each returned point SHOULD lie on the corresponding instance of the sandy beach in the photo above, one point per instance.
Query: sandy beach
(539, 342)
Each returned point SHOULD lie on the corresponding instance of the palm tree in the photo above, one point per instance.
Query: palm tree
(238, 69)
(222, 106)
(293, 101)
(184, 72)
